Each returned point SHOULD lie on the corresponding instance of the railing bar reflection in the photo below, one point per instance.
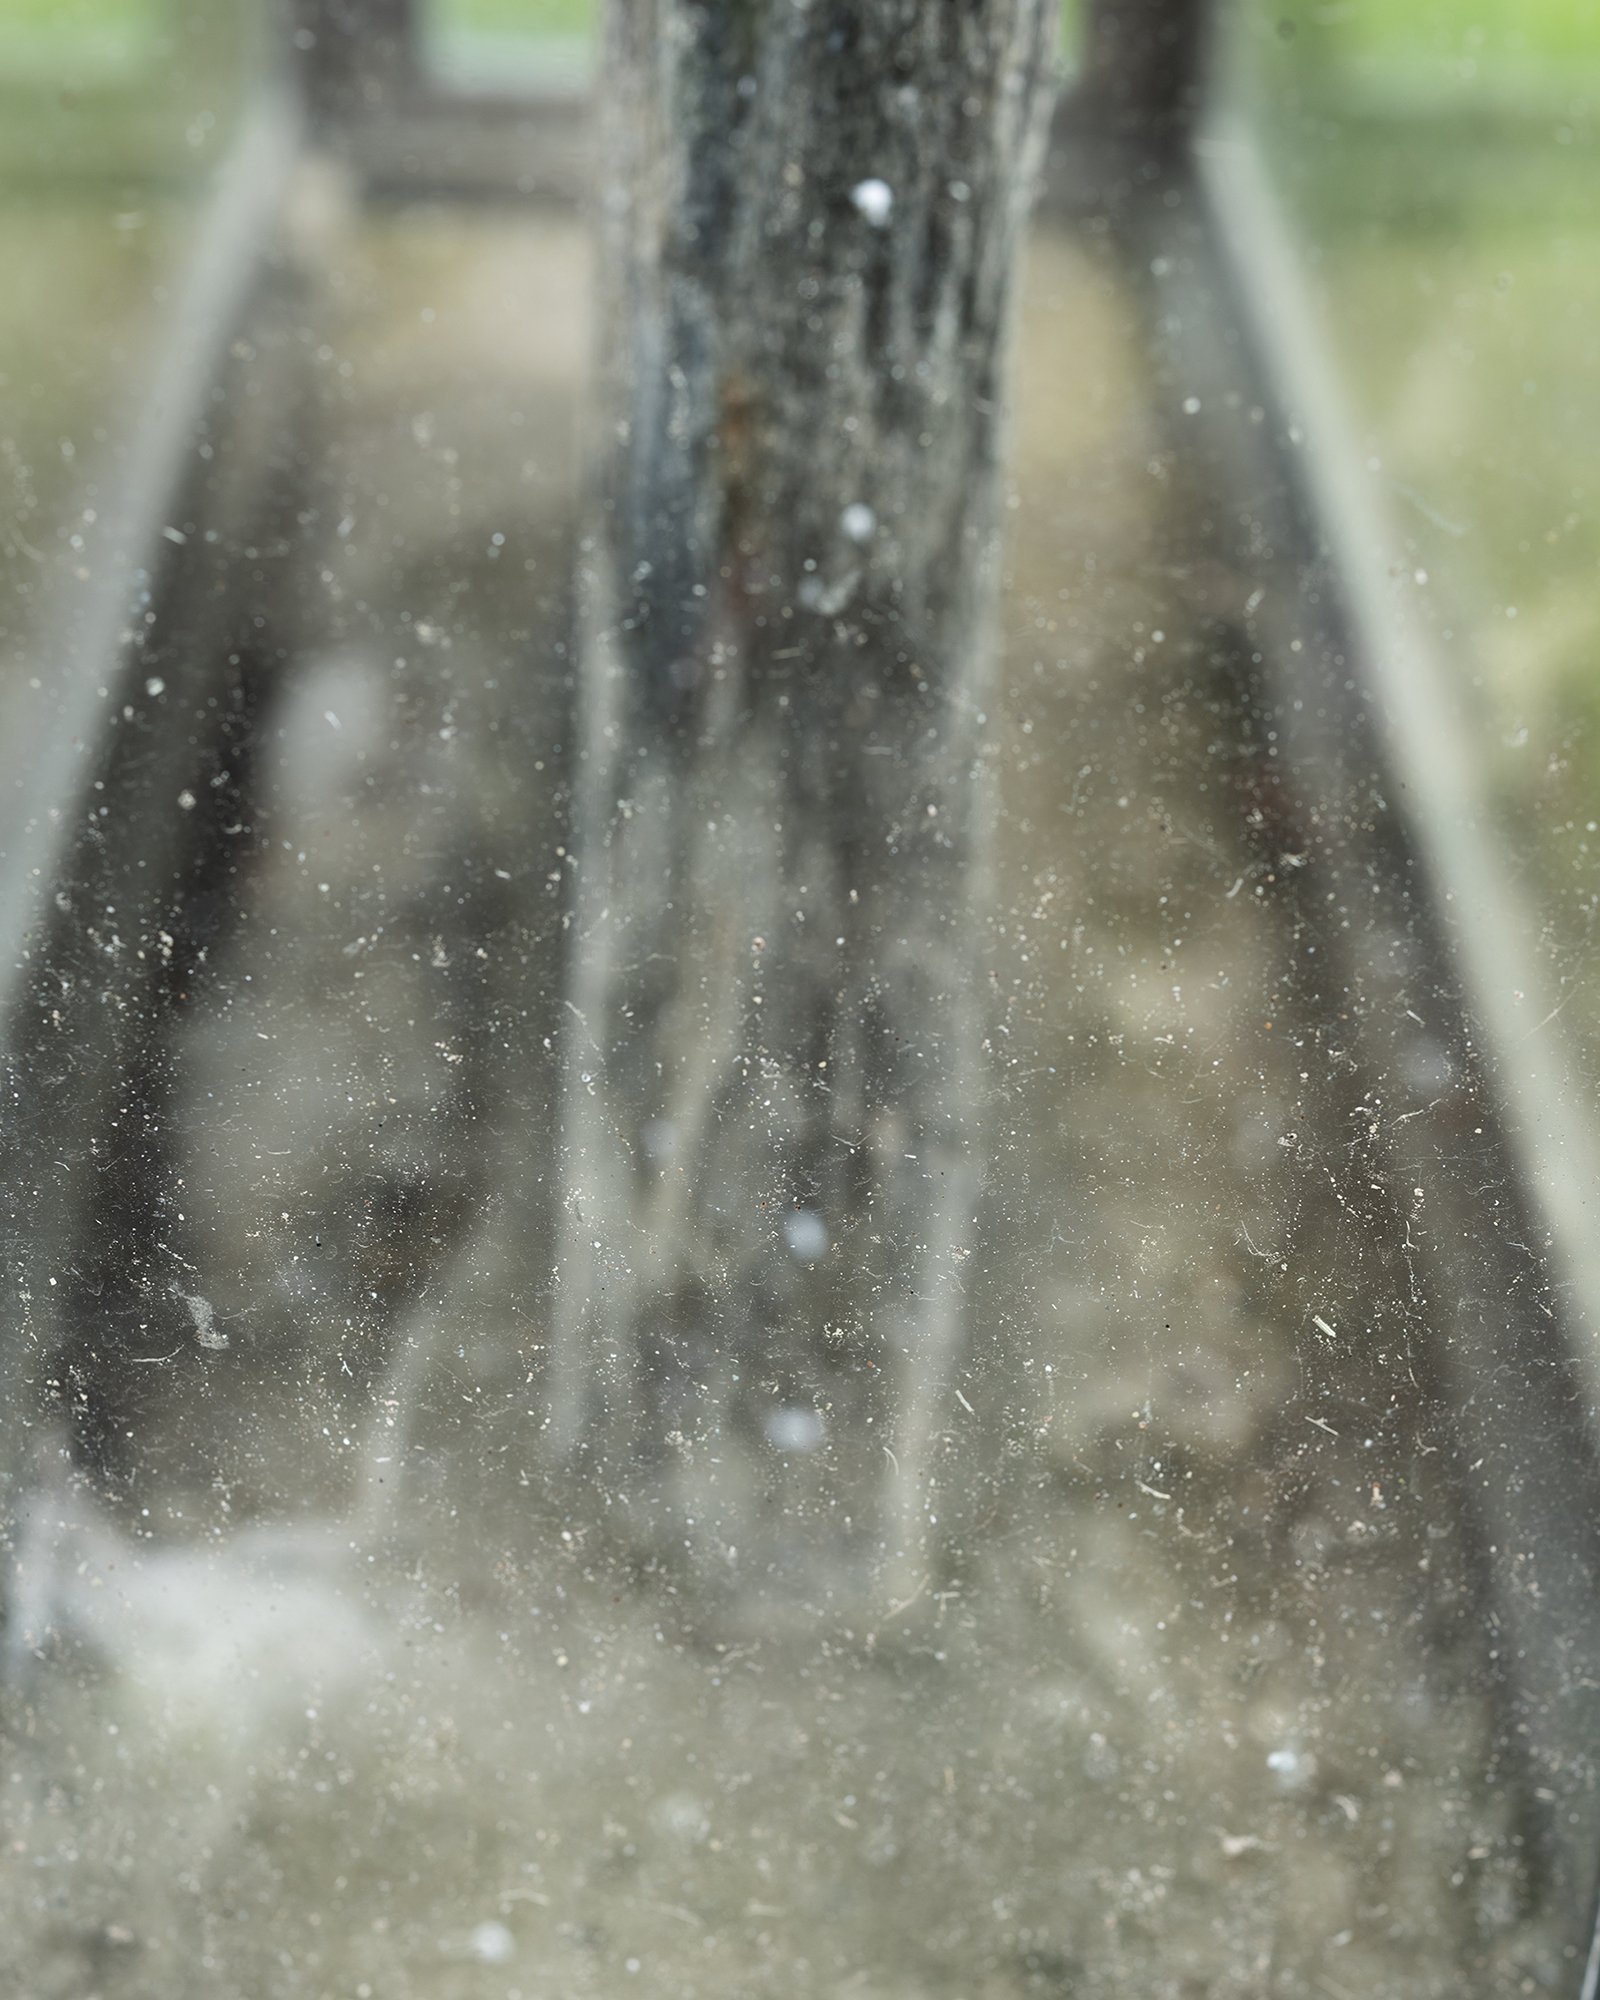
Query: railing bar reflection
(117, 812)
(89, 651)
(1378, 774)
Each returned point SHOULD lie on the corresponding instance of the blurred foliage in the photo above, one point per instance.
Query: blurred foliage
(1430, 44)
(1437, 40)
(575, 18)
(138, 92)
(76, 35)
(1417, 36)
(1441, 162)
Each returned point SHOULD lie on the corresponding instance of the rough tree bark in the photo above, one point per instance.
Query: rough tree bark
(772, 1120)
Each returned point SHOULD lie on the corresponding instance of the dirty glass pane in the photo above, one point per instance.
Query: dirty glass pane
(1440, 165)
(651, 1368)
(113, 114)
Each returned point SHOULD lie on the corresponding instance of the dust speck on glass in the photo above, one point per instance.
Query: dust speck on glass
(798, 856)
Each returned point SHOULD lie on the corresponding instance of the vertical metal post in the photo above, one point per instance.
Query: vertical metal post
(357, 59)
(1142, 80)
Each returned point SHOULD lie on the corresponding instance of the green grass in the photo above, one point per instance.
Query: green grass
(67, 18)
(73, 38)
(1438, 31)
(1424, 54)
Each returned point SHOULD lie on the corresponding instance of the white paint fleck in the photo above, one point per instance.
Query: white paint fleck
(1293, 1769)
(874, 200)
(492, 1944)
(858, 521)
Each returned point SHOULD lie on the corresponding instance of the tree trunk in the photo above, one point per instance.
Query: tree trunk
(773, 1102)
